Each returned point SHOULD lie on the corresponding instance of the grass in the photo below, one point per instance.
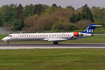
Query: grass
(52, 59)
(93, 39)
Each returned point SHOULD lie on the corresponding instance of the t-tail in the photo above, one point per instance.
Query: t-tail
(91, 28)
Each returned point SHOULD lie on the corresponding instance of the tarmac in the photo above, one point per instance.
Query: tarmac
(50, 46)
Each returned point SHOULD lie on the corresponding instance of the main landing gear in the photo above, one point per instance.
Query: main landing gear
(55, 42)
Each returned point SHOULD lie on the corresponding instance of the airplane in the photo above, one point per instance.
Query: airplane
(54, 37)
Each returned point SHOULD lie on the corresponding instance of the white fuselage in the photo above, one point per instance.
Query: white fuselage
(44, 36)
(39, 36)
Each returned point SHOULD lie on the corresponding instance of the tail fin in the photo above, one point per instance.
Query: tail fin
(91, 28)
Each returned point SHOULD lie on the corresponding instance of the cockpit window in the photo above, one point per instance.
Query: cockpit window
(9, 36)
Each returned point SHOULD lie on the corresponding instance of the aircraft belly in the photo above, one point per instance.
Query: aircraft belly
(57, 39)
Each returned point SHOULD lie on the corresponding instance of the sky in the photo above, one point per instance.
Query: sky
(63, 3)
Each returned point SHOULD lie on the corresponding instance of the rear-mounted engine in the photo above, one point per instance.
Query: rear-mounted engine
(77, 34)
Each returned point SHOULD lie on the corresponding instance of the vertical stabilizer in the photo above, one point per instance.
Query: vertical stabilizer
(91, 28)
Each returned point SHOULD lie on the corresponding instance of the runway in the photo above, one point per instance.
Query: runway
(51, 46)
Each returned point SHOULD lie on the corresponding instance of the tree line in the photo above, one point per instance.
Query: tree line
(39, 17)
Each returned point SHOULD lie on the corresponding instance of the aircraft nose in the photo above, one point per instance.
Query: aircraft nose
(4, 39)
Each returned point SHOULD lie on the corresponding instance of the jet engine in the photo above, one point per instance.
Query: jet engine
(77, 34)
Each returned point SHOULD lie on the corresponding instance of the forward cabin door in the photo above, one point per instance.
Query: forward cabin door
(16, 36)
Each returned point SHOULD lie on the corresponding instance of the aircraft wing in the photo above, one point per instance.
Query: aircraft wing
(55, 39)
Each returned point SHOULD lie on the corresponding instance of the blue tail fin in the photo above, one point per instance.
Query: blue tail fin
(91, 28)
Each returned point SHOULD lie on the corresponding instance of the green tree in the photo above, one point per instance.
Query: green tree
(70, 7)
(8, 13)
(17, 24)
(19, 11)
(0, 20)
(61, 25)
(51, 10)
(98, 14)
(83, 13)
(38, 9)
(54, 5)
(81, 16)
(1, 11)
(74, 18)
(88, 13)
(27, 11)
(97, 22)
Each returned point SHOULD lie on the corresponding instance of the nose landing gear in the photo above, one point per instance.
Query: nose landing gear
(7, 42)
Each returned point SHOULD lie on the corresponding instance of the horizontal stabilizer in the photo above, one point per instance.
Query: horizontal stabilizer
(96, 25)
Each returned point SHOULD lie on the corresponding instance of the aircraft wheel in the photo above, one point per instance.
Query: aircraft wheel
(55, 42)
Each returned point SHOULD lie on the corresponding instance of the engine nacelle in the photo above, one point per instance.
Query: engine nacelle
(77, 34)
